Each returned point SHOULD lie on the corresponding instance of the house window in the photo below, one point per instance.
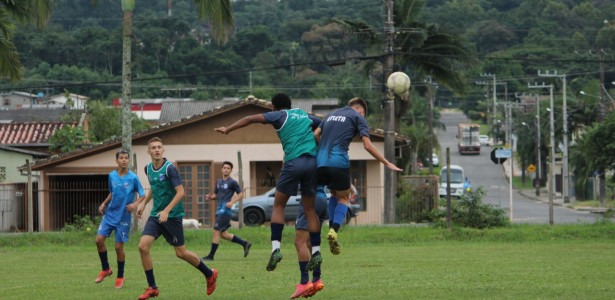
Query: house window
(2, 173)
(7, 102)
(196, 179)
(357, 177)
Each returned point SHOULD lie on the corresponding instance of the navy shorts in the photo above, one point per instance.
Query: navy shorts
(298, 171)
(337, 179)
(223, 222)
(320, 206)
(172, 230)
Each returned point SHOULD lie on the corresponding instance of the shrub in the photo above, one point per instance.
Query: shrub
(469, 211)
(82, 223)
(414, 204)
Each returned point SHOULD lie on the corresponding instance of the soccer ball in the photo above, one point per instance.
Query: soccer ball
(398, 82)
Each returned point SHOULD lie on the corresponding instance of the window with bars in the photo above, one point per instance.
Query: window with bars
(2, 173)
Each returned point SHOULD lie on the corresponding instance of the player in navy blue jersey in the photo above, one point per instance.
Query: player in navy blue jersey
(334, 135)
(123, 184)
(226, 187)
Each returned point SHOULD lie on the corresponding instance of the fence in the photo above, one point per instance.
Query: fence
(14, 207)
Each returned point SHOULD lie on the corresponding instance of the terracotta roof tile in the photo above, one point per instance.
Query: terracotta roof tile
(29, 133)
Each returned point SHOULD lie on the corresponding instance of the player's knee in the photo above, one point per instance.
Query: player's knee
(100, 241)
(143, 248)
(119, 248)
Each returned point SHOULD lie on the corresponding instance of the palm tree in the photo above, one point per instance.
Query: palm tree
(25, 12)
(421, 49)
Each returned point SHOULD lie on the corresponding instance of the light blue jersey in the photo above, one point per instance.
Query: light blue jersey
(122, 189)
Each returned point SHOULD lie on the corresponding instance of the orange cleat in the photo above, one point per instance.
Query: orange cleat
(211, 281)
(316, 286)
(119, 282)
(103, 274)
(149, 293)
(302, 289)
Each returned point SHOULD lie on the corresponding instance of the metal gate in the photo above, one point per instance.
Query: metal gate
(75, 195)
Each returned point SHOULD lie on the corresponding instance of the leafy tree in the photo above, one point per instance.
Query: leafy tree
(67, 138)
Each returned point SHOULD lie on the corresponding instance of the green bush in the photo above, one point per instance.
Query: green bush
(470, 211)
(83, 223)
(414, 204)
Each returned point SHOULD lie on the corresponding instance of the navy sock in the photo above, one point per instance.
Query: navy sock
(340, 214)
(103, 260)
(150, 278)
(204, 269)
(331, 209)
(305, 277)
(276, 231)
(315, 238)
(316, 274)
(120, 269)
(214, 248)
(239, 241)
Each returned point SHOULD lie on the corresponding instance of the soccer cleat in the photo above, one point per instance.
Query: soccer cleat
(316, 286)
(276, 257)
(301, 290)
(149, 293)
(207, 258)
(119, 282)
(211, 281)
(103, 274)
(333, 243)
(246, 249)
(315, 261)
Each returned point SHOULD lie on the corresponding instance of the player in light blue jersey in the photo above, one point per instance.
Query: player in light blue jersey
(334, 135)
(123, 184)
(294, 128)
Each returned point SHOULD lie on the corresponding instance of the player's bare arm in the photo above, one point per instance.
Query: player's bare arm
(369, 147)
(131, 207)
(317, 133)
(140, 209)
(235, 199)
(211, 197)
(179, 195)
(243, 122)
(101, 209)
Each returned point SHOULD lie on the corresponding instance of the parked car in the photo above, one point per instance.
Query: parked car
(457, 181)
(258, 209)
(434, 159)
(484, 140)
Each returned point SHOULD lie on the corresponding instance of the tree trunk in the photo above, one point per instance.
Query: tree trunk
(126, 81)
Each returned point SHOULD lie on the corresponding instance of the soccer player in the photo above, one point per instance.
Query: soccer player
(225, 188)
(166, 218)
(294, 128)
(334, 135)
(306, 288)
(123, 184)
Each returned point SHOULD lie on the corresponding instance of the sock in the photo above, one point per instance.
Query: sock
(305, 277)
(239, 241)
(212, 252)
(103, 260)
(331, 208)
(204, 269)
(315, 249)
(315, 239)
(120, 269)
(275, 245)
(316, 274)
(340, 214)
(150, 278)
(276, 231)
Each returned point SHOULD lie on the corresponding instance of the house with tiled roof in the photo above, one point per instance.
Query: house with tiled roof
(32, 136)
(75, 183)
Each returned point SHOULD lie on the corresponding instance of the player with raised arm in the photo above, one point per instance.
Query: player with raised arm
(166, 218)
(119, 204)
(334, 135)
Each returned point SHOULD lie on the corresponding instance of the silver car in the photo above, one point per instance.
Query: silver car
(258, 209)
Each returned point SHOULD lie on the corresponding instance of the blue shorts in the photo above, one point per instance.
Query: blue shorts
(337, 179)
(298, 171)
(172, 230)
(121, 231)
(223, 222)
(320, 206)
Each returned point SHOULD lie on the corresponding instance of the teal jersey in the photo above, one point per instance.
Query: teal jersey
(294, 128)
(163, 182)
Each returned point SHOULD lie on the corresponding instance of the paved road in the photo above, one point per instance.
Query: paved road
(481, 171)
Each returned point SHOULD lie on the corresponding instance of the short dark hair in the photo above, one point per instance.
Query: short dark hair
(154, 139)
(228, 163)
(280, 101)
(358, 101)
(121, 151)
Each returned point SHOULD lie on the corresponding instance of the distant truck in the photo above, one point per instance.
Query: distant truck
(467, 138)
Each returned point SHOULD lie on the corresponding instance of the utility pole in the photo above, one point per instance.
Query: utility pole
(486, 103)
(495, 109)
(430, 120)
(390, 184)
(565, 176)
(602, 170)
(552, 141)
(127, 7)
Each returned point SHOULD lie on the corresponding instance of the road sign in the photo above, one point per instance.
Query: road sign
(503, 153)
(531, 168)
(497, 160)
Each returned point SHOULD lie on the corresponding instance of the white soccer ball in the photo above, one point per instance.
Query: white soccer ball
(398, 82)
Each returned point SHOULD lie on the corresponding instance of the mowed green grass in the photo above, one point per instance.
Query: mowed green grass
(519, 262)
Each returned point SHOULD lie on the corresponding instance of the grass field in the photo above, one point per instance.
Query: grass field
(518, 262)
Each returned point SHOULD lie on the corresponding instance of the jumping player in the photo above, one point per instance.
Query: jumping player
(123, 184)
(166, 218)
(334, 135)
(294, 128)
(225, 188)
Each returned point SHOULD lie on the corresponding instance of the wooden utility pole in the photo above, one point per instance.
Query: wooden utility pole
(390, 184)
(240, 177)
(127, 7)
(30, 200)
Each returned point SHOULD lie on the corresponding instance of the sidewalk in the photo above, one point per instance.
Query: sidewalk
(558, 199)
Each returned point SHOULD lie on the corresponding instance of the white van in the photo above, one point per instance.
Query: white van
(457, 180)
